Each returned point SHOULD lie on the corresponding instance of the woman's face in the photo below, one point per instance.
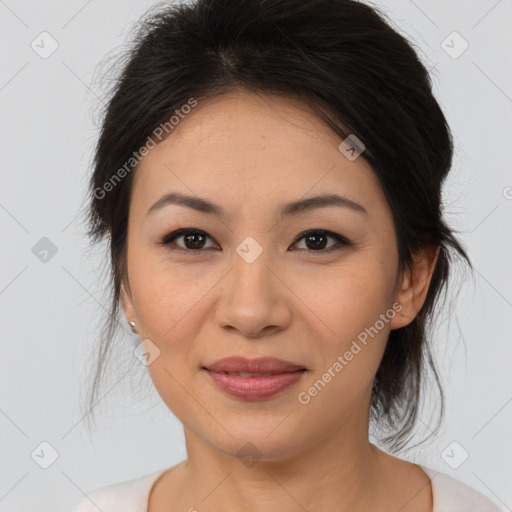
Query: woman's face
(253, 284)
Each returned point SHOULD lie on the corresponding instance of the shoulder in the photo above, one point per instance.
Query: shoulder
(452, 495)
(128, 496)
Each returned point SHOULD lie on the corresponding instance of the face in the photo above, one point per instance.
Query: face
(314, 286)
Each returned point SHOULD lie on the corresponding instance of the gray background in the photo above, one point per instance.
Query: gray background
(49, 309)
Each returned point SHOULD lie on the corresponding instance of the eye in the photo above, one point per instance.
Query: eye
(316, 240)
(195, 240)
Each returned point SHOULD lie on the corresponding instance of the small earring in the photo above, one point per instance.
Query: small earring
(132, 325)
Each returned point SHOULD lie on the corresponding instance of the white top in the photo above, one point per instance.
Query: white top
(449, 495)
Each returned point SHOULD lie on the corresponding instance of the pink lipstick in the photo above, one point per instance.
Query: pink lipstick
(254, 379)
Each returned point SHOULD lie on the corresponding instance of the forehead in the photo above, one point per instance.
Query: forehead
(249, 146)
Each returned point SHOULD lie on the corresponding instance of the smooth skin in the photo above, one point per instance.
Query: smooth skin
(250, 154)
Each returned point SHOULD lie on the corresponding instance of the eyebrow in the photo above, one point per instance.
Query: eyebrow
(294, 208)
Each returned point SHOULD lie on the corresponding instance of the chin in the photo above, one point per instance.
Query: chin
(257, 442)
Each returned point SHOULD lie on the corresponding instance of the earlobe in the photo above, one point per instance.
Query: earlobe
(414, 287)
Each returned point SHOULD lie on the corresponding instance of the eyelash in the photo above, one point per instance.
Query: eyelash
(342, 241)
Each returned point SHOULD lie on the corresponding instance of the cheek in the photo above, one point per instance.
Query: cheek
(350, 351)
(167, 295)
(347, 300)
(353, 305)
(166, 304)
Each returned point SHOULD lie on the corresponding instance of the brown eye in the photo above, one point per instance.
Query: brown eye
(193, 240)
(316, 241)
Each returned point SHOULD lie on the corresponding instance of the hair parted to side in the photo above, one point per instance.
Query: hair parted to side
(343, 58)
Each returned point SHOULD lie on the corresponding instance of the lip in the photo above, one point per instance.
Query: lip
(237, 364)
(284, 375)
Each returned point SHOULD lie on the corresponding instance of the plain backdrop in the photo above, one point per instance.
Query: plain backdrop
(50, 301)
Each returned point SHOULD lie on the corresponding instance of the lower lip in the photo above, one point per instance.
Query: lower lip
(255, 388)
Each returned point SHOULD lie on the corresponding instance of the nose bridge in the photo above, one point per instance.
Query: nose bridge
(252, 299)
(251, 275)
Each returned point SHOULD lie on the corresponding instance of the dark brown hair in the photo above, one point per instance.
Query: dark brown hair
(359, 74)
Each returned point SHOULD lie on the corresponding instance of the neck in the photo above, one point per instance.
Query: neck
(339, 474)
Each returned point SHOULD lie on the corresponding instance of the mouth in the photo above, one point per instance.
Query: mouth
(254, 379)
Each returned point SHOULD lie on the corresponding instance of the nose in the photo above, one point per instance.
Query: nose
(253, 299)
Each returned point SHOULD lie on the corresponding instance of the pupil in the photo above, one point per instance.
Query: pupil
(316, 246)
(194, 245)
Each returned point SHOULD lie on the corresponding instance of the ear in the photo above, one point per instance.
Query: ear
(126, 301)
(412, 291)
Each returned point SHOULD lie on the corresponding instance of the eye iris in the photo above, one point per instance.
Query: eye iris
(196, 245)
(320, 245)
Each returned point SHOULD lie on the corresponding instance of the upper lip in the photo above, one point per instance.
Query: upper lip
(238, 364)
